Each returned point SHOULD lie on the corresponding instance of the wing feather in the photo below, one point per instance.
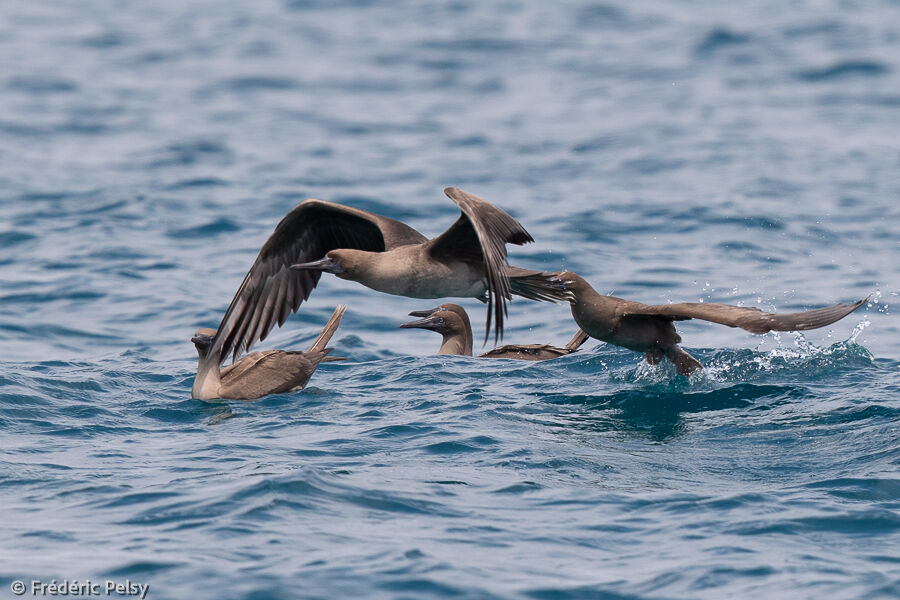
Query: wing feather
(751, 319)
(271, 291)
(534, 352)
(257, 321)
(480, 235)
(271, 372)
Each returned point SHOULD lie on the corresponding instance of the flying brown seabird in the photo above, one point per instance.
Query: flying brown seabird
(467, 260)
(650, 329)
(259, 373)
(452, 322)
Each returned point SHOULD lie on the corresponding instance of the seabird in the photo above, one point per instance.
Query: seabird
(452, 322)
(259, 373)
(468, 260)
(650, 329)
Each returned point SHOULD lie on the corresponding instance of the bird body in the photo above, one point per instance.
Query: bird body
(467, 260)
(259, 373)
(412, 272)
(606, 318)
(651, 330)
(452, 322)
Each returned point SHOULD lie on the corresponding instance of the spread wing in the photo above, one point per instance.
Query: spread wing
(480, 236)
(271, 290)
(526, 352)
(751, 319)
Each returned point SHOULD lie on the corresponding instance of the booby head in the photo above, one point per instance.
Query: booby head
(346, 263)
(443, 319)
(326, 264)
(434, 322)
(203, 339)
(570, 282)
(456, 308)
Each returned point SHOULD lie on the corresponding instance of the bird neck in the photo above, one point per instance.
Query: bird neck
(387, 272)
(456, 343)
(208, 381)
(592, 311)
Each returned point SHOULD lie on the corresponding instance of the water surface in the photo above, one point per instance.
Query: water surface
(666, 151)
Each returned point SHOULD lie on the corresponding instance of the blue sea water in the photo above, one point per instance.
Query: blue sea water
(667, 151)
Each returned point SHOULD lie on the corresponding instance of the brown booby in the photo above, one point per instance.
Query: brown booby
(468, 260)
(650, 329)
(452, 322)
(259, 373)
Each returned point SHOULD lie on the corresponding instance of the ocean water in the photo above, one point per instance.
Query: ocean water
(667, 151)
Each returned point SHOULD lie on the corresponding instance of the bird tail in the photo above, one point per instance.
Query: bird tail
(684, 362)
(577, 340)
(537, 285)
(328, 331)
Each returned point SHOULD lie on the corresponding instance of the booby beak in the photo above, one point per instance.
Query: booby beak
(328, 265)
(424, 313)
(429, 322)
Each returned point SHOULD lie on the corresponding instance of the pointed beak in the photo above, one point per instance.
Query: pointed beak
(424, 313)
(429, 322)
(328, 265)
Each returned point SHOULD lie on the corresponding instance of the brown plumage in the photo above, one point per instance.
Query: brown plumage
(452, 322)
(467, 260)
(259, 373)
(650, 329)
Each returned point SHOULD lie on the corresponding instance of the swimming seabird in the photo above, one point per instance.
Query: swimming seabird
(452, 322)
(650, 329)
(259, 373)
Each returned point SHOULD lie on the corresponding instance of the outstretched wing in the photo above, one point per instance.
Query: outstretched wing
(271, 290)
(751, 319)
(533, 352)
(480, 235)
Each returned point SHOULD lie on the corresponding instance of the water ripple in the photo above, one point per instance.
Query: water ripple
(736, 153)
